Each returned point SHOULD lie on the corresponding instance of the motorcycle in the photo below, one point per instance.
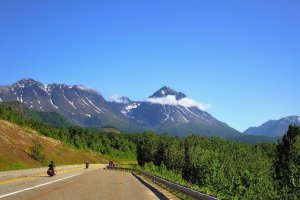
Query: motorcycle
(51, 172)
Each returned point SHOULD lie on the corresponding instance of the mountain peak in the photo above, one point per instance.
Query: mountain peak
(26, 82)
(274, 127)
(166, 91)
(292, 118)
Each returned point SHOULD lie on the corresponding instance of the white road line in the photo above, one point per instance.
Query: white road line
(5, 195)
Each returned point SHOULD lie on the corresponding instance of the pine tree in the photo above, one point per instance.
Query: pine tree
(287, 164)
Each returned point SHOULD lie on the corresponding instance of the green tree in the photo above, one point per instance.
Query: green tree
(37, 151)
(287, 164)
(147, 148)
(174, 154)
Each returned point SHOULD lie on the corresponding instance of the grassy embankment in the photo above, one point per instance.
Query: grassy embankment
(17, 143)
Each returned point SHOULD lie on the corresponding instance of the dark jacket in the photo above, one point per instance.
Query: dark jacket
(51, 166)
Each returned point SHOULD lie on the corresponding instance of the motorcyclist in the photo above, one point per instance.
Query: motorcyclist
(51, 171)
(51, 165)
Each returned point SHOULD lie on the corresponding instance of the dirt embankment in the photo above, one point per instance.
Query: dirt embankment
(16, 145)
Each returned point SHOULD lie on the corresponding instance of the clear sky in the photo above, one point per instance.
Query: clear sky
(241, 56)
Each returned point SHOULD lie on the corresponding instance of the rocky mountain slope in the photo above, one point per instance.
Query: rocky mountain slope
(79, 104)
(274, 127)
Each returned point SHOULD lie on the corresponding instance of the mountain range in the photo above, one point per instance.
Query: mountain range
(166, 110)
(274, 127)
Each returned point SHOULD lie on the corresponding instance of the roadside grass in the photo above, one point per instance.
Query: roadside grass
(14, 166)
(17, 165)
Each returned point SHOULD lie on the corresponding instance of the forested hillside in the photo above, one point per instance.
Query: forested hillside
(226, 169)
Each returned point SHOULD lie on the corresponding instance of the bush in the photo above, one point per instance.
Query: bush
(37, 151)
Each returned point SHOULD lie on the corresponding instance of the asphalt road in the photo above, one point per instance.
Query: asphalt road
(73, 182)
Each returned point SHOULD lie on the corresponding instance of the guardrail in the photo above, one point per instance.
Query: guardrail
(184, 190)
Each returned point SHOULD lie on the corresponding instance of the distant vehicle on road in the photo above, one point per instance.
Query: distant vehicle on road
(111, 163)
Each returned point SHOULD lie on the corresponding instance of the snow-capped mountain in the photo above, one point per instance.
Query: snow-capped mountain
(123, 106)
(170, 111)
(167, 91)
(79, 104)
(274, 127)
(164, 111)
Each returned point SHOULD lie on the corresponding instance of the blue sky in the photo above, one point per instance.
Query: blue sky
(240, 56)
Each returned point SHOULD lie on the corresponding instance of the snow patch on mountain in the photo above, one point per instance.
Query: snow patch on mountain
(44, 87)
(70, 102)
(191, 112)
(84, 102)
(53, 104)
(293, 118)
(185, 102)
(35, 92)
(167, 115)
(99, 110)
(129, 107)
(187, 121)
(132, 106)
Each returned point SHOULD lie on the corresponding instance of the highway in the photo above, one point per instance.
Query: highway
(73, 182)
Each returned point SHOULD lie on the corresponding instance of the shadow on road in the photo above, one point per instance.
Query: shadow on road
(155, 191)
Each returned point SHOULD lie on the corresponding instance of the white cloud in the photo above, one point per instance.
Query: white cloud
(118, 99)
(185, 102)
(85, 88)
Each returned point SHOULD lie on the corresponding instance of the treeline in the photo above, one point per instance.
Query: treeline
(112, 144)
(226, 169)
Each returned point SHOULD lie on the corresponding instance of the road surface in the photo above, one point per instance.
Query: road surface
(73, 182)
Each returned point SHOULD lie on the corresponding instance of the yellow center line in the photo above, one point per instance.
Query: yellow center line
(69, 170)
(16, 180)
(37, 176)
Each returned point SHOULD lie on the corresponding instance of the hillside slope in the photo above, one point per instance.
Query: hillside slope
(16, 144)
